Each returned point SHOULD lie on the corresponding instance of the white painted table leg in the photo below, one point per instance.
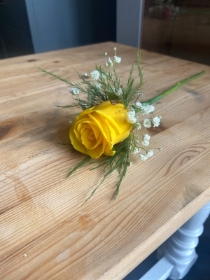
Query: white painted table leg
(179, 249)
(160, 271)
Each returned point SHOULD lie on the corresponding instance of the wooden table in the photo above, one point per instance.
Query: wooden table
(45, 233)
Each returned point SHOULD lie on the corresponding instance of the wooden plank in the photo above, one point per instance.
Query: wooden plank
(45, 233)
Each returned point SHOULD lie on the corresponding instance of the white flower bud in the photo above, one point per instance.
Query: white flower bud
(131, 116)
(147, 123)
(138, 104)
(95, 74)
(145, 142)
(74, 91)
(110, 62)
(146, 137)
(119, 92)
(156, 121)
(147, 109)
(117, 59)
(138, 126)
(149, 153)
(143, 157)
(136, 150)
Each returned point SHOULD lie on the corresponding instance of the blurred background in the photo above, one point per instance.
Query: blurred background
(33, 26)
(179, 28)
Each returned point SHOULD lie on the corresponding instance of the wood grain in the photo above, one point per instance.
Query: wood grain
(45, 233)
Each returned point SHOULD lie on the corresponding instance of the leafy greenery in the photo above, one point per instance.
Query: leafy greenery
(120, 162)
(110, 84)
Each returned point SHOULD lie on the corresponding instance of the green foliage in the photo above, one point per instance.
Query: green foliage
(110, 85)
(79, 164)
(118, 162)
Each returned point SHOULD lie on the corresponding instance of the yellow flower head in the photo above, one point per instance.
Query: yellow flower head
(96, 130)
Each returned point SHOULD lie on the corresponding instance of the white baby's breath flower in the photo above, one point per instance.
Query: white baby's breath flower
(156, 121)
(98, 85)
(147, 123)
(136, 150)
(145, 143)
(117, 59)
(112, 89)
(145, 140)
(119, 92)
(138, 126)
(146, 137)
(138, 104)
(95, 74)
(140, 93)
(149, 153)
(131, 116)
(74, 91)
(110, 62)
(147, 109)
(143, 157)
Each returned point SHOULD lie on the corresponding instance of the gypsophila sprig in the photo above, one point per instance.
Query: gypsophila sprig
(112, 125)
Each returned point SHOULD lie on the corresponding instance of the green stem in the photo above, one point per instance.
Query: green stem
(173, 88)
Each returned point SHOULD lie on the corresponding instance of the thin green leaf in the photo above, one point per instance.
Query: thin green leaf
(78, 165)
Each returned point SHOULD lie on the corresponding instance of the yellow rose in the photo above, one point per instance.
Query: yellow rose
(96, 130)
